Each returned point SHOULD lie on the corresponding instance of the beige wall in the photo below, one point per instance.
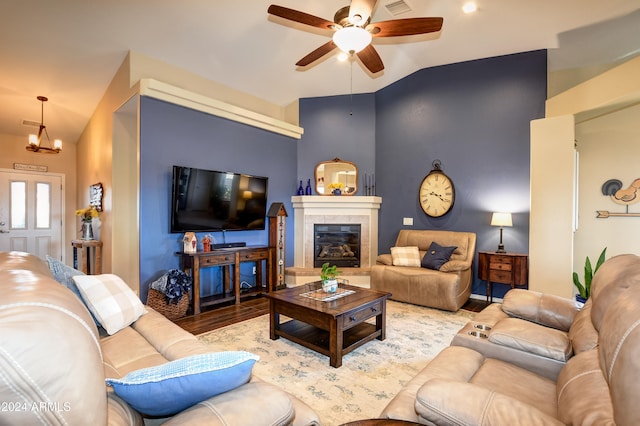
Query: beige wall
(95, 164)
(550, 217)
(608, 94)
(609, 149)
(13, 151)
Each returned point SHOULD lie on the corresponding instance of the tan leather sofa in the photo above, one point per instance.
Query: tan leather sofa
(597, 385)
(53, 361)
(448, 288)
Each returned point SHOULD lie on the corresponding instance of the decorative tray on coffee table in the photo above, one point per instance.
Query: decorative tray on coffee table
(326, 297)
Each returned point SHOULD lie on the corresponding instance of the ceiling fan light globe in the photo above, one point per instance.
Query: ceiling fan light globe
(352, 39)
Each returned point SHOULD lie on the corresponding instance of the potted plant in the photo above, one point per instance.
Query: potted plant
(584, 291)
(328, 276)
(86, 216)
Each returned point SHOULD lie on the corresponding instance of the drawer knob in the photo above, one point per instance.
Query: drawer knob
(374, 309)
(352, 318)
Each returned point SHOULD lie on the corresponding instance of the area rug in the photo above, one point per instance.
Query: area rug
(369, 376)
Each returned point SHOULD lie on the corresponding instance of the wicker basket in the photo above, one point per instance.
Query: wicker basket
(157, 301)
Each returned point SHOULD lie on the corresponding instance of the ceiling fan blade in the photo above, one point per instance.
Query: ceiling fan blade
(363, 8)
(370, 58)
(317, 54)
(301, 17)
(405, 27)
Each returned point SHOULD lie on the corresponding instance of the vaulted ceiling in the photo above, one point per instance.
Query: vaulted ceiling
(69, 50)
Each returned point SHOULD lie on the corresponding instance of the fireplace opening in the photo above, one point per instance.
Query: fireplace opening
(337, 244)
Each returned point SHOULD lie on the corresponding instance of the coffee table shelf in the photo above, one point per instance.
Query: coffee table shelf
(319, 340)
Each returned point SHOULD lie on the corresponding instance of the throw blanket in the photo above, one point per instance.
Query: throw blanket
(174, 284)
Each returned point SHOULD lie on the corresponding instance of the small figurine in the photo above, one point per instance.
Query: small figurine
(190, 242)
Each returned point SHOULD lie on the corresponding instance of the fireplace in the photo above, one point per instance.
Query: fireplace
(338, 244)
(311, 210)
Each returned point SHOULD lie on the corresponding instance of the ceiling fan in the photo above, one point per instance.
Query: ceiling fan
(353, 31)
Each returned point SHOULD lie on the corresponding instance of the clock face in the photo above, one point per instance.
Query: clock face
(437, 194)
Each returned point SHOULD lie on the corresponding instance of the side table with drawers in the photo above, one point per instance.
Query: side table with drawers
(503, 268)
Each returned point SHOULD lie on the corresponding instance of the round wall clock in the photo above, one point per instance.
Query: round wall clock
(437, 193)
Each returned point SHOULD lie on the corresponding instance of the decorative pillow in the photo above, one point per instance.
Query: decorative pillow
(64, 275)
(110, 299)
(170, 388)
(437, 256)
(405, 256)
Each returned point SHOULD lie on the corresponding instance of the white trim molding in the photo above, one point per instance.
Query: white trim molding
(175, 95)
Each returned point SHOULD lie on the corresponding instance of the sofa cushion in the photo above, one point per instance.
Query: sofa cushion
(405, 256)
(532, 338)
(64, 275)
(172, 387)
(110, 299)
(436, 256)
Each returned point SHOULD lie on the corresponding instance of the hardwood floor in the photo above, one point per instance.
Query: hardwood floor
(251, 308)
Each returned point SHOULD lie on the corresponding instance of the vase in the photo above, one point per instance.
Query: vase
(87, 231)
(330, 286)
(300, 189)
(307, 190)
(337, 191)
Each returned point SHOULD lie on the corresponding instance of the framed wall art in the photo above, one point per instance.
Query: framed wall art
(95, 196)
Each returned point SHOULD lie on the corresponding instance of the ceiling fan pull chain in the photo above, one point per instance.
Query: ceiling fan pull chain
(351, 88)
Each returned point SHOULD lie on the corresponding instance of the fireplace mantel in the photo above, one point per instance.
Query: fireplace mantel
(310, 210)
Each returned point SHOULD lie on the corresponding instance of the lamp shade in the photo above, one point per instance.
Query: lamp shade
(352, 39)
(501, 219)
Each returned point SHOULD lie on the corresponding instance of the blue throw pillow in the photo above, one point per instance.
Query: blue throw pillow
(437, 255)
(64, 275)
(170, 388)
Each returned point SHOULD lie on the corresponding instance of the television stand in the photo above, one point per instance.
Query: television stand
(230, 259)
(228, 245)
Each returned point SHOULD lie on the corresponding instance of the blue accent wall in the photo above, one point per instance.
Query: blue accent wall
(337, 126)
(474, 117)
(174, 135)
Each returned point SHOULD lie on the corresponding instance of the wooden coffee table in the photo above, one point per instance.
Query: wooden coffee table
(330, 327)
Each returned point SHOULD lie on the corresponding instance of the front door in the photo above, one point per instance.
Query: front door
(32, 213)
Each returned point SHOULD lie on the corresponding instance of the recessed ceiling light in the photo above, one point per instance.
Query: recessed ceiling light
(469, 7)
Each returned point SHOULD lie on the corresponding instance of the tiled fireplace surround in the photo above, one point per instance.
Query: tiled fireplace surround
(310, 210)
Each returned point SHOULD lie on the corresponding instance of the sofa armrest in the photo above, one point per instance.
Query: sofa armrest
(455, 266)
(544, 309)
(445, 402)
(384, 259)
(253, 403)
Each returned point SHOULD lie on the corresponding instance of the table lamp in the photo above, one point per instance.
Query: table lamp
(501, 220)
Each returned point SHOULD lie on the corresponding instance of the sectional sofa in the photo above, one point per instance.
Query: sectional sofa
(597, 385)
(54, 362)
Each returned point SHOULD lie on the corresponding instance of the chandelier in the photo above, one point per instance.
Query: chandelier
(36, 140)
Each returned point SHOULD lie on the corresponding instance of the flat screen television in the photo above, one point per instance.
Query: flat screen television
(208, 200)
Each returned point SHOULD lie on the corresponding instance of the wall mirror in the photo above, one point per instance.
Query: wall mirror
(336, 172)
